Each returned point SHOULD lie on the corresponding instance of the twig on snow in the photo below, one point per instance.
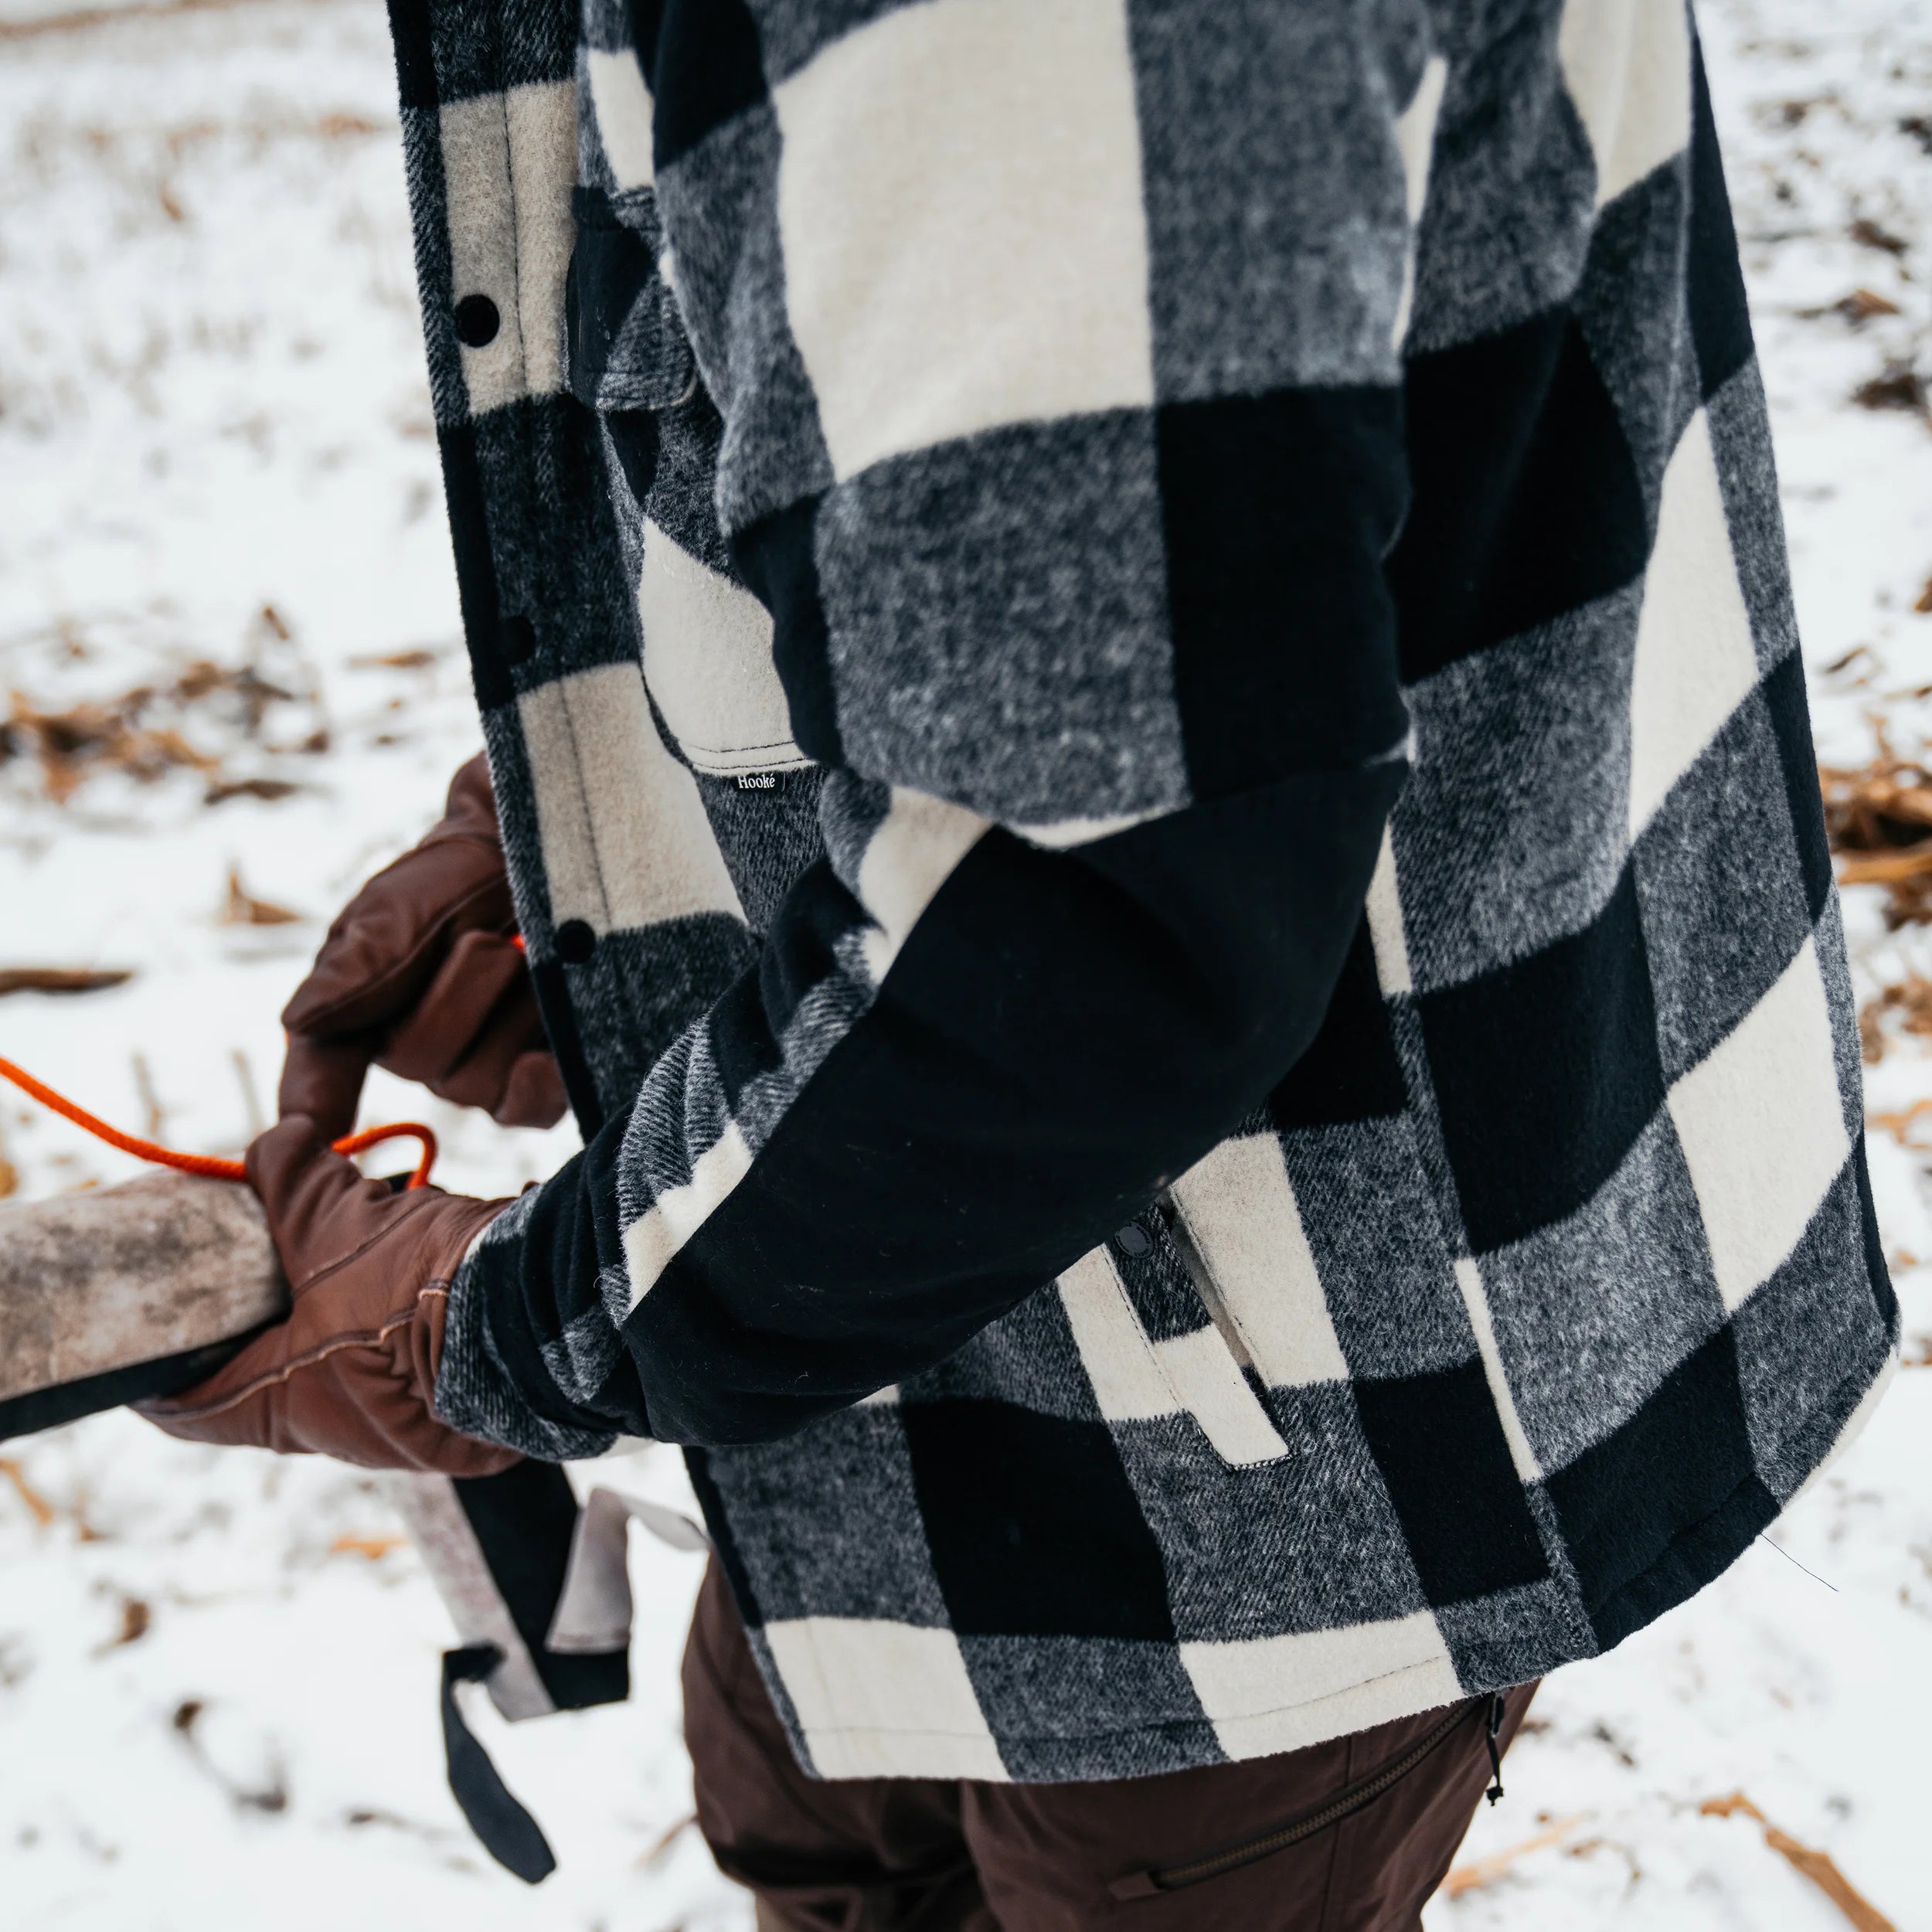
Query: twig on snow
(1817, 1866)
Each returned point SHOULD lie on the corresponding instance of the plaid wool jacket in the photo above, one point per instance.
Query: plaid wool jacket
(1138, 666)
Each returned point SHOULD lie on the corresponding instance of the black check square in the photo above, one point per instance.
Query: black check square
(1034, 1527)
(1545, 1073)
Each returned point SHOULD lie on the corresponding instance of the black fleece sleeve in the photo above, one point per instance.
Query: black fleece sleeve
(1061, 1034)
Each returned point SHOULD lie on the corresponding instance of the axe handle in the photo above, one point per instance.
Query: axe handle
(120, 1294)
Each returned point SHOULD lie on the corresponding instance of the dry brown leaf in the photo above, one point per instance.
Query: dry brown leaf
(1924, 606)
(87, 737)
(1889, 867)
(123, 734)
(419, 659)
(1877, 807)
(1896, 386)
(1869, 234)
(1912, 997)
(1863, 303)
(1848, 659)
(41, 1510)
(164, 749)
(135, 1618)
(201, 676)
(82, 18)
(1860, 306)
(1871, 1040)
(1729, 1807)
(1480, 1871)
(61, 979)
(242, 909)
(1878, 817)
(1909, 903)
(1817, 1866)
(204, 679)
(222, 790)
(372, 1547)
(1896, 1124)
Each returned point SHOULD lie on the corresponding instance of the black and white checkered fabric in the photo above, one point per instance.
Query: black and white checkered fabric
(1045, 364)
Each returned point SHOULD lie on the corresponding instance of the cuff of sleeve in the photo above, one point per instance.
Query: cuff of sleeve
(476, 1391)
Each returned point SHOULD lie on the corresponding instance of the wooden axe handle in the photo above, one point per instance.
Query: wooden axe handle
(118, 1294)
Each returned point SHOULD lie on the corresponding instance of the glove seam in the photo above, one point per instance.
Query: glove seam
(408, 1212)
(335, 1344)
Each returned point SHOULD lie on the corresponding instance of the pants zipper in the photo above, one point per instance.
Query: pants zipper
(1174, 1878)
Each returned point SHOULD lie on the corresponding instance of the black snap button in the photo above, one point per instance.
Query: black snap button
(477, 321)
(575, 942)
(517, 636)
(1134, 1240)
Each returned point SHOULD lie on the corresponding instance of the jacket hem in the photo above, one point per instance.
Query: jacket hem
(1698, 1552)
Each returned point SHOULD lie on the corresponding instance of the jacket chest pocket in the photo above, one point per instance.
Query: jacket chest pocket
(707, 641)
(1155, 1342)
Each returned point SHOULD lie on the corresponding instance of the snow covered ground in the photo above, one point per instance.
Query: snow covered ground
(216, 1674)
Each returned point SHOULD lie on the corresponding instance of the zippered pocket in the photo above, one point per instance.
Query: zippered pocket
(1153, 1880)
(1155, 1340)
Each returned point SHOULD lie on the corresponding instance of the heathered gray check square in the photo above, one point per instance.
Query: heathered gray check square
(1138, 1691)
(1795, 1336)
(1028, 1357)
(1721, 925)
(1306, 1543)
(1751, 509)
(1509, 221)
(1630, 304)
(774, 449)
(999, 620)
(1515, 821)
(858, 1464)
(1276, 240)
(1375, 1235)
(1577, 1364)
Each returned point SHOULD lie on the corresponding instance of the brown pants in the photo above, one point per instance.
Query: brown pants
(908, 1855)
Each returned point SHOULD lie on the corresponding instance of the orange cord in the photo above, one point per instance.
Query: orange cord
(211, 1164)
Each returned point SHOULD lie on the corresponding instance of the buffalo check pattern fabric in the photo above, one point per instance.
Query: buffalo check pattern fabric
(1138, 667)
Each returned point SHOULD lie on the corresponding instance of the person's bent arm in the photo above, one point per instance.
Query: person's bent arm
(1085, 615)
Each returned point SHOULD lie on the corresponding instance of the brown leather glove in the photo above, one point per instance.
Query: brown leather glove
(351, 1373)
(421, 973)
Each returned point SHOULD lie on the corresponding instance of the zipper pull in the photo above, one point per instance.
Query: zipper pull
(1496, 1711)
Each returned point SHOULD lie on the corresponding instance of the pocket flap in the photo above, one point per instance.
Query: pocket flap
(624, 341)
(1150, 1346)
